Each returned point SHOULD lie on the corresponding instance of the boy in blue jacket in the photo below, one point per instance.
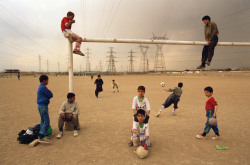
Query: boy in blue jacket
(43, 96)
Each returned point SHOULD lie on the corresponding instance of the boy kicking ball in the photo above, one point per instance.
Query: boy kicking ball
(174, 98)
(211, 109)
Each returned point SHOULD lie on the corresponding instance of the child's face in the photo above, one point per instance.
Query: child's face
(206, 21)
(208, 94)
(45, 82)
(70, 17)
(141, 93)
(140, 118)
(99, 78)
(72, 99)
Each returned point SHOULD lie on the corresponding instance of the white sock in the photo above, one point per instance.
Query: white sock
(162, 107)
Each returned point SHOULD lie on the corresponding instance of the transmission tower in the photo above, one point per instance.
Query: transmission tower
(131, 65)
(144, 60)
(111, 62)
(87, 60)
(39, 58)
(159, 57)
(100, 66)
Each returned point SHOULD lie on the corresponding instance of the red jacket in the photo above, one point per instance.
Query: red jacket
(210, 104)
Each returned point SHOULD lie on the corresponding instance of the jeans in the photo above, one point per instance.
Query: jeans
(44, 125)
(61, 121)
(208, 50)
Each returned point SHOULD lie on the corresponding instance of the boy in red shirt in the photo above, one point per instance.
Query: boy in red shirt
(211, 109)
(66, 24)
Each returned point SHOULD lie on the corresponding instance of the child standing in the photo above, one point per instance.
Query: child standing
(174, 98)
(114, 85)
(68, 112)
(140, 131)
(211, 109)
(66, 24)
(140, 102)
(99, 84)
(43, 96)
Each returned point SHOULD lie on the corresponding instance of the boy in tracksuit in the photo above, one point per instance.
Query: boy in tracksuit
(211, 110)
(43, 96)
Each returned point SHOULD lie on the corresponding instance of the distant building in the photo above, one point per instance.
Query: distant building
(11, 71)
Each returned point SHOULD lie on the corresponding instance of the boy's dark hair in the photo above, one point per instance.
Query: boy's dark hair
(140, 111)
(209, 89)
(180, 84)
(206, 17)
(113, 80)
(70, 95)
(43, 78)
(99, 75)
(141, 88)
(70, 13)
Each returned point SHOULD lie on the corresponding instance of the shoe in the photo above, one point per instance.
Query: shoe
(78, 52)
(158, 114)
(135, 149)
(173, 113)
(200, 137)
(201, 67)
(44, 140)
(130, 144)
(75, 133)
(59, 135)
(208, 63)
(216, 137)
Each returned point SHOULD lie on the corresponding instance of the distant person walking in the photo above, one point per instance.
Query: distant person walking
(99, 84)
(18, 75)
(211, 35)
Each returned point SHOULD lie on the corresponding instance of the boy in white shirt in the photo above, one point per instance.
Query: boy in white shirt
(68, 112)
(140, 102)
(141, 131)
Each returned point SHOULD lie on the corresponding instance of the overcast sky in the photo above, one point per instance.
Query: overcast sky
(31, 28)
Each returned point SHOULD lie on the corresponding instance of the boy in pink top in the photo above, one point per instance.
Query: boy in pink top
(66, 24)
(211, 109)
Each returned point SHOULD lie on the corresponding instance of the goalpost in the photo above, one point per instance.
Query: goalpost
(139, 41)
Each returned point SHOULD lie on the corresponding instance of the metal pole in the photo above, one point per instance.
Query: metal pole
(70, 62)
(169, 42)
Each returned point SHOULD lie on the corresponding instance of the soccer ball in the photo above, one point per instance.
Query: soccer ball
(162, 84)
(141, 152)
(212, 121)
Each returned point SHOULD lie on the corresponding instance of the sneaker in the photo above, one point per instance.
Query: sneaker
(200, 137)
(75, 133)
(44, 140)
(201, 67)
(216, 137)
(208, 63)
(59, 135)
(130, 144)
(158, 114)
(135, 149)
(78, 52)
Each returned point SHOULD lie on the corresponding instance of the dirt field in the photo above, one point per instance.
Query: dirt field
(106, 122)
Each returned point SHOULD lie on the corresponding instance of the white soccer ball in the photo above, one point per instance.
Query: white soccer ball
(162, 84)
(141, 152)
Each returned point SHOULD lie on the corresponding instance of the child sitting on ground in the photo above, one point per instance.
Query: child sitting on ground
(68, 112)
(140, 131)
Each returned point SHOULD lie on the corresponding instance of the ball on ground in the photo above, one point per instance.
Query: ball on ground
(141, 152)
(212, 121)
(162, 84)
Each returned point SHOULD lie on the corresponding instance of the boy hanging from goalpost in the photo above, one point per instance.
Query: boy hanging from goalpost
(66, 24)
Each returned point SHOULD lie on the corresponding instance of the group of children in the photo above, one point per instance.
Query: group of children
(141, 112)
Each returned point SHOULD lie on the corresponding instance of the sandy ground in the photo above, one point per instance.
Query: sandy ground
(106, 121)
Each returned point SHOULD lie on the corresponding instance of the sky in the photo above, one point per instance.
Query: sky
(30, 29)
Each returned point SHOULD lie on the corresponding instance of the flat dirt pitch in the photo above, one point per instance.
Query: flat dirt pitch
(106, 122)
